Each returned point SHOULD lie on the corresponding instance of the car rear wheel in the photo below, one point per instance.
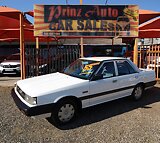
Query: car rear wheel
(137, 92)
(64, 112)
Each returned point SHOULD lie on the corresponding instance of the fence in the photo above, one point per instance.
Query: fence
(49, 59)
(148, 57)
(55, 58)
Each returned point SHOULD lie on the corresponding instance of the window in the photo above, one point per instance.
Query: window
(82, 68)
(107, 70)
(124, 68)
(131, 69)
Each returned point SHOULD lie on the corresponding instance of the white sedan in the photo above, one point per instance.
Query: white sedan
(85, 82)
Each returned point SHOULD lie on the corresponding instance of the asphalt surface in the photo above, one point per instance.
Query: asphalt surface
(120, 121)
(7, 81)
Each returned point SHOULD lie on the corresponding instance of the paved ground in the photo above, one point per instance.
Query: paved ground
(120, 121)
(8, 80)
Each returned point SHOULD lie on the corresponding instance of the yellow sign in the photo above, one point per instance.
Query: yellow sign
(86, 20)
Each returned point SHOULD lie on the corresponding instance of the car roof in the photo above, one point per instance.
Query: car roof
(102, 58)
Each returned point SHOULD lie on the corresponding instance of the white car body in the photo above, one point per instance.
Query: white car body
(50, 89)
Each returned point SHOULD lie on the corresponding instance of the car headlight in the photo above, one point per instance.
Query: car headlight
(27, 98)
(1, 65)
(18, 65)
(30, 100)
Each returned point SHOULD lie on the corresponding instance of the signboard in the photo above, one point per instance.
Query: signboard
(86, 20)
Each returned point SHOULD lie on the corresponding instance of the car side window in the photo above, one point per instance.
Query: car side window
(131, 69)
(107, 70)
(124, 68)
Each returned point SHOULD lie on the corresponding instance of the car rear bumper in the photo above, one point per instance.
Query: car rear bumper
(150, 84)
(31, 111)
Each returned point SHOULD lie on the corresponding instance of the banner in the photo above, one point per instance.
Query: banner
(86, 20)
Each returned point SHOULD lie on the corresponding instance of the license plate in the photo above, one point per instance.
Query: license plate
(8, 69)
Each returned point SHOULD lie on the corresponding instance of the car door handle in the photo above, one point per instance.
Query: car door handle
(85, 92)
(114, 81)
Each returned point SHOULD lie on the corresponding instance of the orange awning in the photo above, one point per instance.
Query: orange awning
(9, 22)
(9, 12)
(15, 33)
(152, 24)
(145, 15)
(31, 13)
(10, 25)
(9, 39)
(149, 33)
(150, 29)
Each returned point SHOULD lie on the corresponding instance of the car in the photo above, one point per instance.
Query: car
(11, 65)
(84, 83)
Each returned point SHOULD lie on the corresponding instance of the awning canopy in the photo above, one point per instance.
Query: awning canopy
(145, 15)
(149, 33)
(10, 25)
(9, 12)
(150, 29)
(152, 24)
(9, 22)
(31, 13)
(15, 34)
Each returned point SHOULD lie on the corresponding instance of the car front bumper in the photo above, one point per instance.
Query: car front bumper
(1, 69)
(31, 111)
(10, 71)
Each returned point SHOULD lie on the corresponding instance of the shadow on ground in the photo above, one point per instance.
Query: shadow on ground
(10, 75)
(111, 109)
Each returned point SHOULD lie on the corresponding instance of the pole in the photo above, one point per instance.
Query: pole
(22, 53)
(135, 55)
(112, 46)
(37, 43)
(81, 39)
(81, 43)
(37, 55)
(81, 2)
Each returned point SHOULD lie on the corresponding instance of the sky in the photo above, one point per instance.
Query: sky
(27, 5)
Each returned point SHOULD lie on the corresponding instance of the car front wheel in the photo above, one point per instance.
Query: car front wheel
(64, 112)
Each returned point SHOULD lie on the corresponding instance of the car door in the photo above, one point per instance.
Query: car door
(104, 89)
(128, 77)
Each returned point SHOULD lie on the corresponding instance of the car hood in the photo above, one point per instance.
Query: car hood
(47, 84)
(11, 62)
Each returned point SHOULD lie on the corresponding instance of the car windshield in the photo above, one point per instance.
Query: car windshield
(82, 68)
(13, 57)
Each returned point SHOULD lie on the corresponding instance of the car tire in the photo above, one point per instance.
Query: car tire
(65, 111)
(137, 92)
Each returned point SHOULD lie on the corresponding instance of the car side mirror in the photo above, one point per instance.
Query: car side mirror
(97, 77)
